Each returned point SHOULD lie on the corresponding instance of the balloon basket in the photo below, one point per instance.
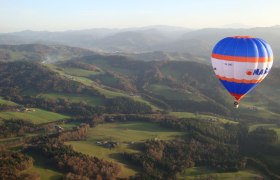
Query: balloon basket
(236, 104)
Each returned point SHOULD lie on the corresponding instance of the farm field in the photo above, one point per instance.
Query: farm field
(172, 94)
(38, 116)
(201, 116)
(93, 100)
(80, 72)
(127, 134)
(10, 103)
(201, 173)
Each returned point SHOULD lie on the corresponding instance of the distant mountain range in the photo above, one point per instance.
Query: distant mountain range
(146, 41)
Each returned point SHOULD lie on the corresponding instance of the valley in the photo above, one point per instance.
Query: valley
(125, 118)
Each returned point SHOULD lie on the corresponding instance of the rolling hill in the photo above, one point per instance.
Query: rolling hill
(170, 40)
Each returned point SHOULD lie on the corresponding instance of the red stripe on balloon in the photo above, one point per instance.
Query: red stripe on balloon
(242, 59)
(238, 97)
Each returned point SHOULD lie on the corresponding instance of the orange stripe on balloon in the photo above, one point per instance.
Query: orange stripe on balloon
(253, 81)
(242, 59)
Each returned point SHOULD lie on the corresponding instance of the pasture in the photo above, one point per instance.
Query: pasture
(36, 116)
(203, 173)
(92, 100)
(173, 93)
(127, 134)
(201, 116)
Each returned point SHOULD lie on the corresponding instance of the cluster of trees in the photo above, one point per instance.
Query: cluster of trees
(12, 163)
(227, 133)
(78, 133)
(16, 127)
(6, 107)
(127, 106)
(263, 136)
(164, 159)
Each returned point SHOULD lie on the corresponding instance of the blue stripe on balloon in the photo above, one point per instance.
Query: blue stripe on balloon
(238, 88)
(244, 47)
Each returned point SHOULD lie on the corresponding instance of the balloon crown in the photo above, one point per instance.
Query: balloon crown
(243, 37)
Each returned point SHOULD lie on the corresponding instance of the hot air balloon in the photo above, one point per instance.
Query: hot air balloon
(241, 63)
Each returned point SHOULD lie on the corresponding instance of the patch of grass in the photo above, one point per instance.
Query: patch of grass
(261, 110)
(126, 134)
(203, 173)
(107, 80)
(131, 131)
(68, 126)
(80, 72)
(37, 116)
(104, 64)
(10, 103)
(173, 93)
(168, 71)
(200, 116)
(93, 100)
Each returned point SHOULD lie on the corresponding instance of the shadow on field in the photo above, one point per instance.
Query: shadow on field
(144, 126)
(120, 158)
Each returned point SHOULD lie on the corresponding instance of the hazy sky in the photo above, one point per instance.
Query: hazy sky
(57, 15)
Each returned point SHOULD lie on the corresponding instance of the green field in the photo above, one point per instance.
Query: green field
(173, 94)
(80, 72)
(37, 116)
(126, 134)
(261, 109)
(169, 71)
(200, 116)
(203, 173)
(107, 80)
(10, 103)
(104, 64)
(68, 126)
(93, 100)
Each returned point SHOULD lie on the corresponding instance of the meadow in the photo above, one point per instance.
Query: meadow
(172, 93)
(36, 116)
(76, 98)
(127, 134)
(201, 116)
(202, 173)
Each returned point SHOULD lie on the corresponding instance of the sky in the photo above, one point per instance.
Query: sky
(60, 15)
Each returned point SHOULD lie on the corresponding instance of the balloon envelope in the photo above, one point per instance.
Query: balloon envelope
(241, 63)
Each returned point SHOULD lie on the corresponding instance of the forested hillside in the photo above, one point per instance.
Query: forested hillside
(106, 117)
